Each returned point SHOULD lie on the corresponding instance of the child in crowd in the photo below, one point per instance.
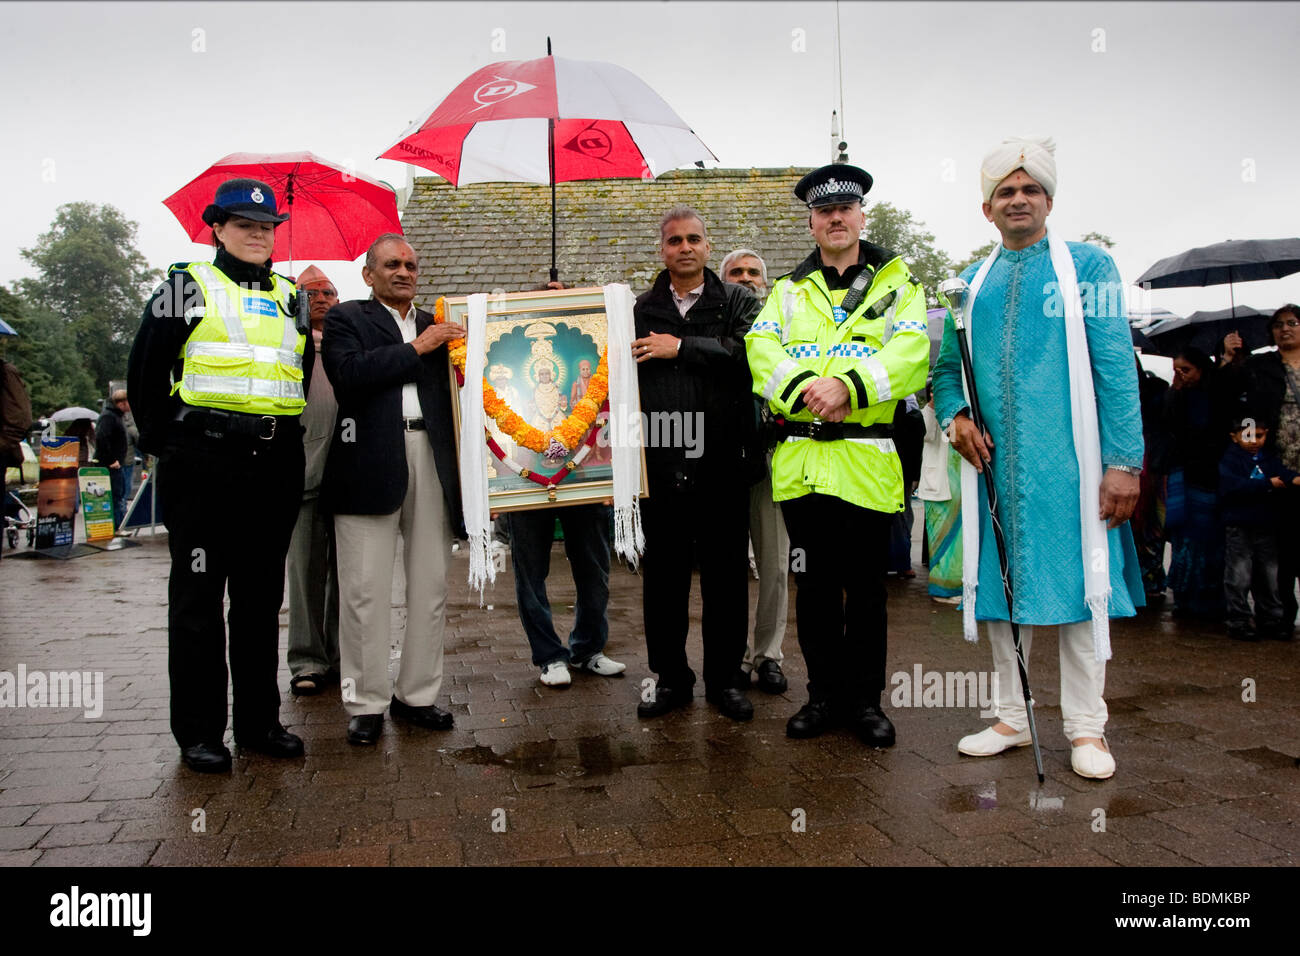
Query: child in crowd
(1250, 481)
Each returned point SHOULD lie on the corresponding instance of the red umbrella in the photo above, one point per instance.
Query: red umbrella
(334, 212)
(546, 121)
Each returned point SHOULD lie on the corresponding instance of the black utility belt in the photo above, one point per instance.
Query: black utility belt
(215, 423)
(831, 431)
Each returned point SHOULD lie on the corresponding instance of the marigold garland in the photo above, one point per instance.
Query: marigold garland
(568, 433)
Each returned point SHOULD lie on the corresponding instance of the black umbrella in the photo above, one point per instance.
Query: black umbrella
(1245, 260)
(1140, 341)
(1206, 329)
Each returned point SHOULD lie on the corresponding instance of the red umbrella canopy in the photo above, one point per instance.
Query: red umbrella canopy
(493, 127)
(334, 212)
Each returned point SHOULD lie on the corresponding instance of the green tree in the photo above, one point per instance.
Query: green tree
(95, 281)
(976, 255)
(1098, 238)
(47, 357)
(895, 229)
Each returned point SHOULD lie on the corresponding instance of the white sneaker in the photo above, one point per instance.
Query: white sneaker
(1092, 762)
(556, 674)
(602, 665)
(989, 742)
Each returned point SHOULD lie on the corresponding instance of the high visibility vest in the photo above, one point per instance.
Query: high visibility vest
(246, 353)
(881, 353)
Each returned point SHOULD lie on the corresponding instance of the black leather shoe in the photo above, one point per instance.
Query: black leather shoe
(430, 717)
(743, 678)
(276, 742)
(207, 758)
(365, 728)
(873, 727)
(770, 678)
(666, 699)
(731, 703)
(812, 720)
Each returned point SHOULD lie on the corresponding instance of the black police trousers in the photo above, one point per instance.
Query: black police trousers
(838, 553)
(229, 506)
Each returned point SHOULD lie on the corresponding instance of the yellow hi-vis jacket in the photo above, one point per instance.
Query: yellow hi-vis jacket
(246, 353)
(881, 353)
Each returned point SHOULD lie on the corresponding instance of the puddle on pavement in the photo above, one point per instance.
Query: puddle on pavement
(1041, 801)
(981, 796)
(568, 759)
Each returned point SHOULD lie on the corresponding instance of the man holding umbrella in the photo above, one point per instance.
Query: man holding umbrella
(1054, 375)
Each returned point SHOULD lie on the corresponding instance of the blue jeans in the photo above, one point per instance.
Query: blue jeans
(586, 543)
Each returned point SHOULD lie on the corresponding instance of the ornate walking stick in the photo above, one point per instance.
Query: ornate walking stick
(953, 294)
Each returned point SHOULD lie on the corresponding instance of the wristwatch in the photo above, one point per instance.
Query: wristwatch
(1133, 470)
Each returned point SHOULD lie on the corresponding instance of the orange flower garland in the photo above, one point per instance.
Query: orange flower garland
(568, 433)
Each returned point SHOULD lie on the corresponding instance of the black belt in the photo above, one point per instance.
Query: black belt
(413, 424)
(215, 423)
(832, 431)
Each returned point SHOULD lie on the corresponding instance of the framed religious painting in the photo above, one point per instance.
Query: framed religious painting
(545, 351)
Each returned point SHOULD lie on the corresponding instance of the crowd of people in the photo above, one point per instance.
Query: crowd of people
(1222, 452)
(328, 426)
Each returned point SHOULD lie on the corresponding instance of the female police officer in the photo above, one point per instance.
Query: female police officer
(218, 375)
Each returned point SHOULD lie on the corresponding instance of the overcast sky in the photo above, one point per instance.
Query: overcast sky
(1176, 123)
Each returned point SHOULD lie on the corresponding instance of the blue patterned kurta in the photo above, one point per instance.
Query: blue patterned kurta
(1022, 376)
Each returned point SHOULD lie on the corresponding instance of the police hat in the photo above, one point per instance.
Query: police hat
(833, 184)
(250, 198)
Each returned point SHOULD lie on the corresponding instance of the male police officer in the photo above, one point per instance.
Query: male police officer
(840, 340)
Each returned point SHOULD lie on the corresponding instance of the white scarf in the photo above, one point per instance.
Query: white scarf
(473, 455)
(1095, 552)
(624, 408)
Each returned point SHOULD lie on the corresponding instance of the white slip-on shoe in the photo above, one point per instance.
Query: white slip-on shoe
(989, 742)
(556, 674)
(602, 665)
(1092, 762)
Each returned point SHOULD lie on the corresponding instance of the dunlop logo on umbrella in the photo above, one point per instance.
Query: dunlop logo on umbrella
(498, 91)
(593, 142)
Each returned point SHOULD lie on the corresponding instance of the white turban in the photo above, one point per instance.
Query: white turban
(1036, 155)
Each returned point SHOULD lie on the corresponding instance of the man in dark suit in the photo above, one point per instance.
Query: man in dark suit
(391, 467)
(702, 455)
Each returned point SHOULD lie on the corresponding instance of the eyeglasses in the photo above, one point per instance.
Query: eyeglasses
(330, 293)
(1287, 323)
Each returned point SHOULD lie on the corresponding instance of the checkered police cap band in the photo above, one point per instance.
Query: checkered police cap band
(834, 187)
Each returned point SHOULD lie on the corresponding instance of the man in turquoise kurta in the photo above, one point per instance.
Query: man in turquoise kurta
(1018, 349)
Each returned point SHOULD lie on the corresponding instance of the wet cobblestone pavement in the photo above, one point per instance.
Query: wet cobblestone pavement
(1205, 776)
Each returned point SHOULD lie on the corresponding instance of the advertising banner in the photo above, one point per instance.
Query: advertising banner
(56, 494)
(96, 502)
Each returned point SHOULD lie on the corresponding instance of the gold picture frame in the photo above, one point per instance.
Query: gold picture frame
(537, 344)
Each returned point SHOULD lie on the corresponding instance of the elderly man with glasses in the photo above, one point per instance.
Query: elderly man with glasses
(313, 585)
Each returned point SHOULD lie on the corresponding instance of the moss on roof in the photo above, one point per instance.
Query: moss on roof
(489, 236)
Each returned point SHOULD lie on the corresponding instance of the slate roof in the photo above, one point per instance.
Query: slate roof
(490, 236)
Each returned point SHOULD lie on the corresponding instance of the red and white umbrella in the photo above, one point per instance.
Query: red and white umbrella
(334, 212)
(546, 121)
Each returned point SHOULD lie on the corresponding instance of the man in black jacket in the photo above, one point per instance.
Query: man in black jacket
(701, 456)
(391, 467)
(110, 451)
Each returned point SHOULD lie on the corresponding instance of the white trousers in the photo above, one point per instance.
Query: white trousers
(772, 555)
(1083, 678)
(366, 549)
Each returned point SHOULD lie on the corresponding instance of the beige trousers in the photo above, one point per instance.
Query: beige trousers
(772, 555)
(1083, 678)
(366, 548)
